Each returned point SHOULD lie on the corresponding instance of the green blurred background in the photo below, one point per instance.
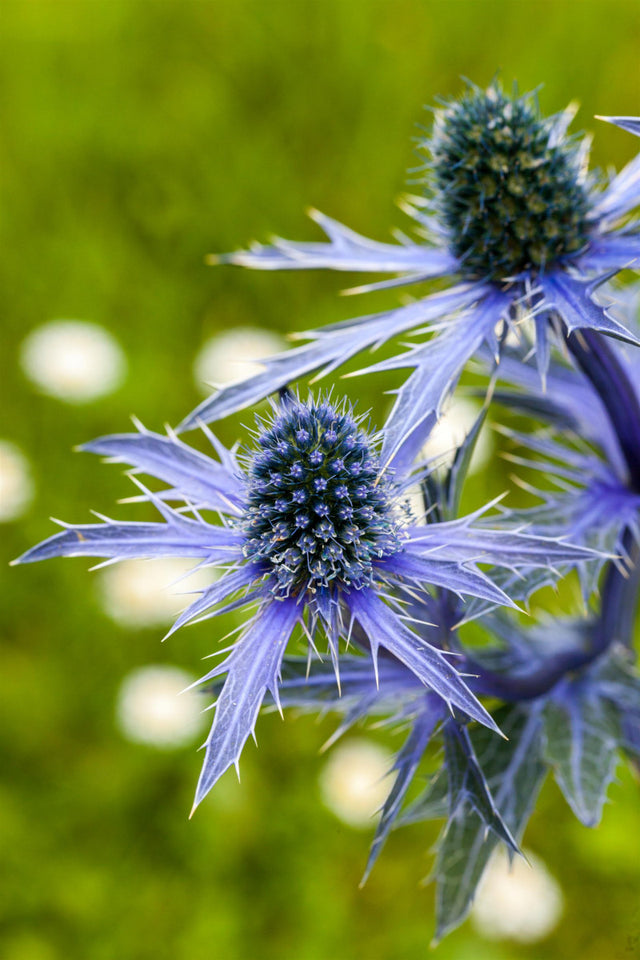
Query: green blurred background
(136, 138)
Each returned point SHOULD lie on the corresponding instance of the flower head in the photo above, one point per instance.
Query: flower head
(319, 512)
(313, 535)
(512, 213)
(510, 196)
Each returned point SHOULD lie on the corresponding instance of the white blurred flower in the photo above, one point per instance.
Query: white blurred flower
(355, 781)
(154, 707)
(73, 360)
(16, 485)
(519, 335)
(445, 437)
(234, 355)
(517, 902)
(450, 431)
(150, 593)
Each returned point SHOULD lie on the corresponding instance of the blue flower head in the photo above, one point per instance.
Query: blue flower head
(314, 535)
(510, 212)
(510, 197)
(319, 512)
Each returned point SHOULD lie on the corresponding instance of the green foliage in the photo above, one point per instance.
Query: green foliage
(514, 774)
(580, 744)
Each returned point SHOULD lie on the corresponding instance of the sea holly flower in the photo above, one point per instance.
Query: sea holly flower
(310, 527)
(313, 534)
(511, 213)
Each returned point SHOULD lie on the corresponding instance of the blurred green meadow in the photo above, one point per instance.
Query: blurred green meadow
(137, 137)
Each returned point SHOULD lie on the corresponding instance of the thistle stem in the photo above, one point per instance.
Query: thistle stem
(531, 685)
(598, 361)
(619, 596)
(609, 378)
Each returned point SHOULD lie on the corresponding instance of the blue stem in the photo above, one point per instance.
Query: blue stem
(598, 362)
(616, 623)
(527, 686)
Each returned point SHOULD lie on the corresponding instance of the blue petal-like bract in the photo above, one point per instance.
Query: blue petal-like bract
(571, 297)
(568, 401)
(613, 251)
(406, 763)
(346, 251)
(630, 124)
(449, 574)
(599, 513)
(178, 537)
(384, 629)
(622, 194)
(458, 540)
(193, 475)
(331, 347)
(313, 685)
(252, 668)
(438, 365)
(211, 597)
(595, 502)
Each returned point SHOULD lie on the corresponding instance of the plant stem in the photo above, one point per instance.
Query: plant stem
(601, 366)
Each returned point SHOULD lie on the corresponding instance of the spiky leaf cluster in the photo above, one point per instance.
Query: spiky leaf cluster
(507, 193)
(318, 511)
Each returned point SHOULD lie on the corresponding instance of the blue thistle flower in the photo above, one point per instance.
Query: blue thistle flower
(313, 534)
(511, 211)
(319, 513)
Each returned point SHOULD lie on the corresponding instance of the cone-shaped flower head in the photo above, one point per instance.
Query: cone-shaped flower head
(319, 513)
(510, 196)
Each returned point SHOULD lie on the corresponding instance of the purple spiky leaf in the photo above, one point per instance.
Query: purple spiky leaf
(383, 629)
(252, 669)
